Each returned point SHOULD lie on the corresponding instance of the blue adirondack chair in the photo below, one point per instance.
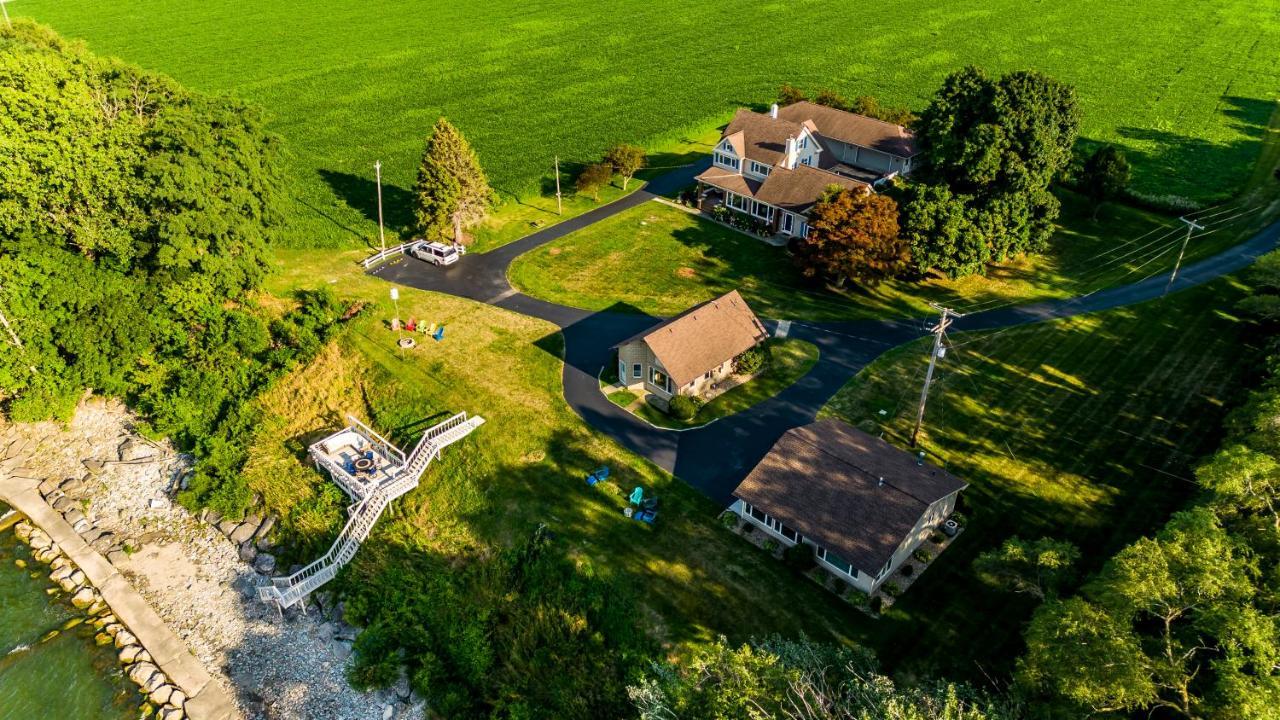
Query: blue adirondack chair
(600, 474)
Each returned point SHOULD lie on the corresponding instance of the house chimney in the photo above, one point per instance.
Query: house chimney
(773, 111)
(790, 160)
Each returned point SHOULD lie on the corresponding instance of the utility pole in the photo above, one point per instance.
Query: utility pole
(377, 168)
(1192, 226)
(559, 205)
(938, 331)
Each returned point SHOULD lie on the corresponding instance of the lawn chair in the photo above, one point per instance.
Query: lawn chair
(600, 474)
(637, 496)
(439, 334)
(646, 516)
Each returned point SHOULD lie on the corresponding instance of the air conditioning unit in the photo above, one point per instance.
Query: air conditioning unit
(951, 527)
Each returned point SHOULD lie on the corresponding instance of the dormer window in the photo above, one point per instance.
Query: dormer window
(728, 161)
(760, 168)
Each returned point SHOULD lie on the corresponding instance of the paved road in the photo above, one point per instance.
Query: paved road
(716, 457)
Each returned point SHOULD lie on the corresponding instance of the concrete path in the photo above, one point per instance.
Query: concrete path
(205, 699)
(716, 457)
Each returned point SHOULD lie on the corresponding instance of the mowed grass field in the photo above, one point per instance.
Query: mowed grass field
(1185, 88)
(663, 260)
(1084, 429)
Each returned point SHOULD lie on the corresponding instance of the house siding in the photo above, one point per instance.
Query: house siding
(867, 158)
(638, 352)
(855, 577)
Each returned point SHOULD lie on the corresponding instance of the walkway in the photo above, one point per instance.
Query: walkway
(698, 456)
(205, 699)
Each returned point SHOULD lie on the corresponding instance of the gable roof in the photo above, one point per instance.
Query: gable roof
(853, 128)
(824, 480)
(703, 337)
(797, 190)
(764, 139)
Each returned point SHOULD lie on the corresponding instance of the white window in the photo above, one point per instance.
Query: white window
(804, 141)
(737, 202)
(762, 211)
(728, 161)
(636, 372)
(787, 221)
(760, 168)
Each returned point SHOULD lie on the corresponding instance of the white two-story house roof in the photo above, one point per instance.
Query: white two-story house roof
(775, 166)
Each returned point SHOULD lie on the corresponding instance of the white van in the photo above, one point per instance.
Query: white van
(436, 253)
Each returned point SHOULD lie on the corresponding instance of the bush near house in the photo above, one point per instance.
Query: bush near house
(684, 407)
(752, 361)
(799, 557)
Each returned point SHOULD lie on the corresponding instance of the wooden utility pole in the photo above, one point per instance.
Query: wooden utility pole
(938, 331)
(559, 204)
(1192, 226)
(377, 168)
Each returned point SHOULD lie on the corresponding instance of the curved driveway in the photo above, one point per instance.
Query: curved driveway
(716, 457)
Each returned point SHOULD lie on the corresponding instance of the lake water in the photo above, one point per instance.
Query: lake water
(66, 677)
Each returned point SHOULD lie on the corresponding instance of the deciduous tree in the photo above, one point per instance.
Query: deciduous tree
(1039, 568)
(592, 178)
(789, 94)
(831, 98)
(1105, 175)
(853, 234)
(452, 192)
(626, 160)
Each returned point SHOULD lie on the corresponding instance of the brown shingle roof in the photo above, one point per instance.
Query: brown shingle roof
(703, 337)
(764, 139)
(798, 189)
(823, 480)
(729, 180)
(853, 128)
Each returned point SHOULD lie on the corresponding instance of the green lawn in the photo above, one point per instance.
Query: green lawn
(351, 83)
(663, 260)
(789, 360)
(1084, 429)
(526, 465)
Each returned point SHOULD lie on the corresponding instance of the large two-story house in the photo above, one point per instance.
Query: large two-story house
(775, 166)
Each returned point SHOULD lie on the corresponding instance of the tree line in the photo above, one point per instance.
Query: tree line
(135, 221)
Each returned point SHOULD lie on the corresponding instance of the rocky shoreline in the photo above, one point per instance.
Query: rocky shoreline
(164, 699)
(198, 574)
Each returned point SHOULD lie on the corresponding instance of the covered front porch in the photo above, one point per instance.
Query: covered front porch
(746, 213)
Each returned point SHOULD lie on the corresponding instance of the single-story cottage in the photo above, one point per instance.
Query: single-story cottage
(688, 353)
(774, 167)
(863, 504)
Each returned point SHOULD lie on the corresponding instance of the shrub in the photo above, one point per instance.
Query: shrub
(729, 519)
(891, 589)
(748, 528)
(838, 586)
(684, 407)
(750, 361)
(876, 603)
(922, 555)
(908, 570)
(937, 538)
(770, 545)
(959, 518)
(799, 557)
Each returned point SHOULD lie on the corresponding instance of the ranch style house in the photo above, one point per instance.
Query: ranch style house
(689, 353)
(775, 166)
(863, 504)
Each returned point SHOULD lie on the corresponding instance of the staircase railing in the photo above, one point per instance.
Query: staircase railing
(288, 590)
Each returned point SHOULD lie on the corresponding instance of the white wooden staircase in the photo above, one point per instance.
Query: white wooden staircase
(289, 590)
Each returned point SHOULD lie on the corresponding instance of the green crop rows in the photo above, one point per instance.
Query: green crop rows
(1186, 87)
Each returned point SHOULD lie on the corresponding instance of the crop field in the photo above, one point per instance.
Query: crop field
(1187, 89)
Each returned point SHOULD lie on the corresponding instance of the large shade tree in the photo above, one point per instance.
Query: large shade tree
(452, 192)
(853, 234)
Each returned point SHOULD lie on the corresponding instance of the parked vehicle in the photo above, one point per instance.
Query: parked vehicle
(437, 253)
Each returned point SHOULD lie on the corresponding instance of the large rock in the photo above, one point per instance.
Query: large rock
(81, 525)
(170, 713)
(117, 557)
(265, 563)
(38, 539)
(243, 532)
(71, 485)
(104, 542)
(68, 584)
(161, 695)
(61, 573)
(24, 530)
(133, 449)
(47, 486)
(178, 698)
(93, 533)
(123, 638)
(154, 683)
(141, 672)
(129, 654)
(83, 598)
(63, 504)
(265, 527)
(73, 516)
(247, 552)
(226, 527)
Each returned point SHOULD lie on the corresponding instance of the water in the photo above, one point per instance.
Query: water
(66, 677)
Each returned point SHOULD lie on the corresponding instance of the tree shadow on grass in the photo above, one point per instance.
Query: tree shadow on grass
(361, 194)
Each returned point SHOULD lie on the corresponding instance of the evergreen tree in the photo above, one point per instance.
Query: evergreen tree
(452, 192)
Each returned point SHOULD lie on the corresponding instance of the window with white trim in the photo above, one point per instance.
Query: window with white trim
(737, 202)
(760, 168)
(728, 161)
(761, 210)
(636, 371)
(835, 561)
